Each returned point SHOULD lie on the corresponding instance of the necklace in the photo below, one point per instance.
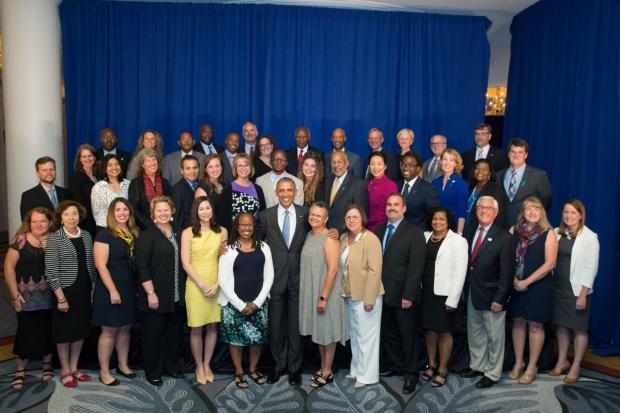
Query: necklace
(40, 240)
(437, 239)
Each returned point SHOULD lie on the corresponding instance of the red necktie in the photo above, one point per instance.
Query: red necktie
(251, 151)
(300, 159)
(477, 244)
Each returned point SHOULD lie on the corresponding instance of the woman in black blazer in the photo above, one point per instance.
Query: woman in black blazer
(483, 182)
(311, 174)
(149, 174)
(161, 298)
(82, 182)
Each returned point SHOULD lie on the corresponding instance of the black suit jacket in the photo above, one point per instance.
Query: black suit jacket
(37, 197)
(352, 191)
(392, 172)
(183, 197)
(533, 183)
(403, 263)
(227, 170)
(198, 147)
(497, 157)
(80, 188)
(137, 198)
(422, 198)
(491, 273)
(495, 190)
(292, 157)
(124, 156)
(286, 260)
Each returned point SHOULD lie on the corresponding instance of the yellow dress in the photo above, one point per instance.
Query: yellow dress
(204, 259)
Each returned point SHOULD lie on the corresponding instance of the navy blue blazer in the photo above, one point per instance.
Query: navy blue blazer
(421, 200)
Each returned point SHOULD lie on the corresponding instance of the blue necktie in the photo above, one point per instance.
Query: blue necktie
(389, 235)
(53, 198)
(286, 227)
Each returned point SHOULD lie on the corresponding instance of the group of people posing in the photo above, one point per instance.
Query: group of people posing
(265, 246)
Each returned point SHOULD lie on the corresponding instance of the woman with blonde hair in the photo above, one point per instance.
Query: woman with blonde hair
(531, 303)
(452, 189)
(576, 270)
(114, 300)
(404, 138)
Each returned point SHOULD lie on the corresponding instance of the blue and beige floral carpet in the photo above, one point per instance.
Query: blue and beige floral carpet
(595, 393)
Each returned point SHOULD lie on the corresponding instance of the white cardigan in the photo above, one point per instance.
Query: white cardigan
(583, 260)
(226, 278)
(450, 267)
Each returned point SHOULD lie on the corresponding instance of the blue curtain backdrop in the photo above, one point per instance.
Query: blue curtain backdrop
(172, 67)
(564, 98)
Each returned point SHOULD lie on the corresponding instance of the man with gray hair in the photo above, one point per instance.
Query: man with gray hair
(431, 168)
(490, 272)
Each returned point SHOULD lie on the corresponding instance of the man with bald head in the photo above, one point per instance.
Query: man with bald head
(296, 154)
(431, 168)
(250, 134)
(206, 144)
(343, 189)
(339, 138)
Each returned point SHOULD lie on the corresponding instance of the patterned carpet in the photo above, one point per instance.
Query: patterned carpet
(594, 393)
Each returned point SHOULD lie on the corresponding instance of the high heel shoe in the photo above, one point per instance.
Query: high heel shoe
(563, 370)
(209, 376)
(527, 378)
(516, 372)
(570, 380)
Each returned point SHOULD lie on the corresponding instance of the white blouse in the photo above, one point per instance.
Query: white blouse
(102, 196)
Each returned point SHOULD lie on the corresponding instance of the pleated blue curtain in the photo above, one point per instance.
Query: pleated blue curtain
(172, 67)
(564, 98)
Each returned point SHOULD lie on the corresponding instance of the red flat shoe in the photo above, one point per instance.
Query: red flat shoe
(79, 376)
(69, 383)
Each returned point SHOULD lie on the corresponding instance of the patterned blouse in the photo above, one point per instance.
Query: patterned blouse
(102, 196)
(30, 277)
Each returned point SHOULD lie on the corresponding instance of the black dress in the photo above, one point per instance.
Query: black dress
(564, 312)
(126, 281)
(33, 338)
(536, 303)
(74, 325)
(434, 314)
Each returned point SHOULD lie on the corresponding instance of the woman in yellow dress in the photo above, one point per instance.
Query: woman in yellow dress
(200, 252)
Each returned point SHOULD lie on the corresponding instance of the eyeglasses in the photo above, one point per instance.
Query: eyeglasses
(484, 207)
(437, 143)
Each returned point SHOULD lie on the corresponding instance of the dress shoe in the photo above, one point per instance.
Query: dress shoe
(358, 385)
(125, 375)
(409, 386)
(516, 372)
(469, 373)
(177, 375)
(570, 380)
(485, 383)
(274, 376)
(114, 382)
(563, 370)
(389, 373)
(155, 382)
(527, 378)
(294, 378)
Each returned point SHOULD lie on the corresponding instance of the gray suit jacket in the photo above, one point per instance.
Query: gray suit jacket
(227, 171)
(355, 167)
(171, 166)
(426, 174)
(285, 259)
(533, 183)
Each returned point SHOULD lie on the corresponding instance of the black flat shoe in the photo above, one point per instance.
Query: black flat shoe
(469, 373)
(155, 382)
(114, 382)
(125, 375)
(485, 383)
(177, 375)
(409, 386)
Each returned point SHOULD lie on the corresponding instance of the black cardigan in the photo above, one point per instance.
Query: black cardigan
(155, 262)
(137, 198)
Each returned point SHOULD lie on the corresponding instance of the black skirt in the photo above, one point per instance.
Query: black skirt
(33, 338)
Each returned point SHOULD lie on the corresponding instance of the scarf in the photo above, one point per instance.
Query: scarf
(150, 190)
(526, 238)
(128, 238)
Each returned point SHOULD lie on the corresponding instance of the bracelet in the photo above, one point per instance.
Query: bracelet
(63, 300)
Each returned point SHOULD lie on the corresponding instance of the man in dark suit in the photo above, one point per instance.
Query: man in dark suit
(431, 168)
(45, 194)
(421, 197)
(404, 254)
(228, 155)
(490, 273)
(521, 181)
(375, 141)
(206, 144)
(295, 155)
(250, 135)
(483, 150)
(107, 139)
(343, 189)
(183, 192)
(284, 228)
(339, 138)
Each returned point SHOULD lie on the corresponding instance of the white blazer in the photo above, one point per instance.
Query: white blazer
(226, 279)
(583, 260)
(450, 267)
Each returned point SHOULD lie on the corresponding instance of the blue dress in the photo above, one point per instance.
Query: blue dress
(454, 195)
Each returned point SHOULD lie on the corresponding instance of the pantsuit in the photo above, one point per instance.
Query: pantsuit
(365, 329)
(486, 340)
(161, 334)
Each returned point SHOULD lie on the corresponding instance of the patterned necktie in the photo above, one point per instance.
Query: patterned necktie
(389, 236)
(479, 154)
(53, 198)
(433, 167)
(512, 188)
(406, 190)
(286, 227)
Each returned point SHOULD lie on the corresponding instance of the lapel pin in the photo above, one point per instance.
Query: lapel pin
(489, 239)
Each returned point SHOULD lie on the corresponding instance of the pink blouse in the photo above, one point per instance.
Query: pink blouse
(378, 192)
